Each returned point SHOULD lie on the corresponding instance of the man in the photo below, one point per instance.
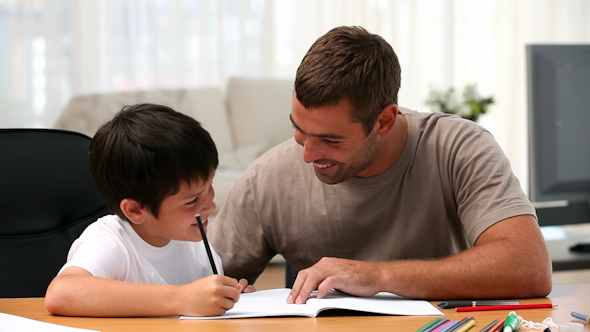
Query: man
(423, 205)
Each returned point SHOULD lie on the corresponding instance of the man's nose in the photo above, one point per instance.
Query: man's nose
(312, 150)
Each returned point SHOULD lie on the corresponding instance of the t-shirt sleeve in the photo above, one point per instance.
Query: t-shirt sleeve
(236, 233)
(101, 256)
(486, 189)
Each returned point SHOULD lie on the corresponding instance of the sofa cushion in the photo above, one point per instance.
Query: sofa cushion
(259, 111)
(85, 113)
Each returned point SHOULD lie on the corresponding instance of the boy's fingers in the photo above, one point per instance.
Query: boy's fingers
(228, 281)
(231, 293)
(228, 303)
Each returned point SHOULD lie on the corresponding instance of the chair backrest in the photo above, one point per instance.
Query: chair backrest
(47, 198)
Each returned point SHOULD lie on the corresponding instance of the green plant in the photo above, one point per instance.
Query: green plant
(470, 107)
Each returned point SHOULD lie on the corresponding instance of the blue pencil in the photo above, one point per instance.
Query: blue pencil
(450, 326)
(581, 316)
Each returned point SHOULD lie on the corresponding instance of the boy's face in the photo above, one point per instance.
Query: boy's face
(176, 220)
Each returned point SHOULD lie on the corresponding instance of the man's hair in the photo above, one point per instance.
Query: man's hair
(350, 62)
(146, 152)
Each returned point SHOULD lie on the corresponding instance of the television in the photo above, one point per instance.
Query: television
(558, 86)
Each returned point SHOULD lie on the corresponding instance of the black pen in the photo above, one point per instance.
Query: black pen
(206, 243)
(455, 304)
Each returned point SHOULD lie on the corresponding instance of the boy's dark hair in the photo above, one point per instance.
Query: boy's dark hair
(350, 62)
(145, 152)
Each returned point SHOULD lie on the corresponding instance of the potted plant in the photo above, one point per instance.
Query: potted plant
(470, 106)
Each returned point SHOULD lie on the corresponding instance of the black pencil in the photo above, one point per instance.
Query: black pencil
(206, 243)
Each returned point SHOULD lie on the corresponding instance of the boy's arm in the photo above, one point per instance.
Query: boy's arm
(75, 292)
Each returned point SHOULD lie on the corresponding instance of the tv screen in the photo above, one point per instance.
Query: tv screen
(558, 83)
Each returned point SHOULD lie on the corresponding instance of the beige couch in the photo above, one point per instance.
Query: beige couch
(245, 119)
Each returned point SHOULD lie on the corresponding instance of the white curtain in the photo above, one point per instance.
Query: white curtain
(51, 50)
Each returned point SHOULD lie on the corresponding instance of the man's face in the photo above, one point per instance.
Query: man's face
(336, 146)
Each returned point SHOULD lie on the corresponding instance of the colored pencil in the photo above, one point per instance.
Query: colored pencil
(451, 326)
(436, 325)
(428, 325)
(467, 326)
(443, 326)
(498, 326)
(460, 324)
(581, 316)
(506, 307)
(485, 329)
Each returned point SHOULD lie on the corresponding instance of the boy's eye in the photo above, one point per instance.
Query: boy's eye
(194, 200)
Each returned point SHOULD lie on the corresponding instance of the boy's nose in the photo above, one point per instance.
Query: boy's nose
(210, 207)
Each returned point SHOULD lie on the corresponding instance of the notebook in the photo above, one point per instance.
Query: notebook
(272, 303)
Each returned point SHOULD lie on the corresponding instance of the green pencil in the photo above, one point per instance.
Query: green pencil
(489, 325)
(428, 325)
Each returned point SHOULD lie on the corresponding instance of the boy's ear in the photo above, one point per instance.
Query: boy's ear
(133, 211)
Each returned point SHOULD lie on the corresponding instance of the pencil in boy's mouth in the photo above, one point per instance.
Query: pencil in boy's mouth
(205, 223)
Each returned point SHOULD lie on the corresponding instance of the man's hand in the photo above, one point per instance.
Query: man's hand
(353, 277)
(509, 260)
(244, 287)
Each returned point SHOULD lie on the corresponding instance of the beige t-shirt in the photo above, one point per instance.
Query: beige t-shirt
(451, 182)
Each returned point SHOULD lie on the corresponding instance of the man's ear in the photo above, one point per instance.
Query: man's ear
(386, 120)
(133, 211)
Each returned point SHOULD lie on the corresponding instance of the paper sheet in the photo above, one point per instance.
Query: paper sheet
(12, 323)
(272, 303)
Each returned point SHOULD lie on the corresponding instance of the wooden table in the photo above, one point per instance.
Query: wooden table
(574, 297)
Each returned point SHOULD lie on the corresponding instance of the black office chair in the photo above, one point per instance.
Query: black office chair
(47, 198)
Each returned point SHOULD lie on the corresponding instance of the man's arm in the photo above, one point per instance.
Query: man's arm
(75, 292)
(509, 260)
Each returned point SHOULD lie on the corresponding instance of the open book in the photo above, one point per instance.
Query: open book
(273, 302)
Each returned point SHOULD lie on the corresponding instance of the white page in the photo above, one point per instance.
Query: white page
(381, 303)
(272, 303)
(12, 323)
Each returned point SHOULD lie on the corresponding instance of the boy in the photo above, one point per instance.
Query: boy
(153, 167)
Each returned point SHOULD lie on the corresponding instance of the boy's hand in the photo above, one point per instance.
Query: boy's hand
(75, 292)
(209, 296)
(244, 287)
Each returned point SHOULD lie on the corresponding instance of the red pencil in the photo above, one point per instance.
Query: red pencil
(498, 326)
(506, 307)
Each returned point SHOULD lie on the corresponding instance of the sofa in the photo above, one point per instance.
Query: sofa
(245, 118)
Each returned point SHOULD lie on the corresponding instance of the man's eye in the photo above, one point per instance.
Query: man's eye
(331, 142)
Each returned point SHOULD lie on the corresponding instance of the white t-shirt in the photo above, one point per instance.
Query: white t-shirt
(110, 248)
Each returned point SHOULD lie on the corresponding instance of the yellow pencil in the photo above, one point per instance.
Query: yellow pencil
(467, 326)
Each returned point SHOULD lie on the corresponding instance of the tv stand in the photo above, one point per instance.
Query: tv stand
(560, 239)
